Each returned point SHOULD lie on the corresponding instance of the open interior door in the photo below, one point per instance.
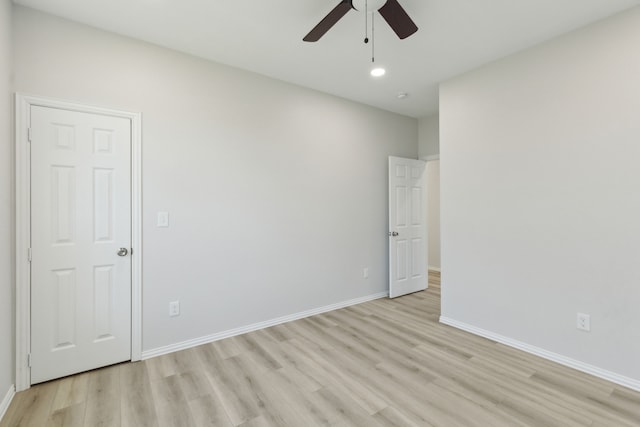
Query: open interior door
(407, 226)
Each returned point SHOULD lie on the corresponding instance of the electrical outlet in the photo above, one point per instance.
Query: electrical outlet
(174, 308)
(365, 273)
(583, 322)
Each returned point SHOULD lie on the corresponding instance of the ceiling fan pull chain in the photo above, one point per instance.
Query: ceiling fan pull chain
(366, 22)
(373, 39)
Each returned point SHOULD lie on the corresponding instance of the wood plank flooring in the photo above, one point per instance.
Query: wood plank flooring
(382, 363)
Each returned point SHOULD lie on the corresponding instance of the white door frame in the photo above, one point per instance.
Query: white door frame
(23, 225)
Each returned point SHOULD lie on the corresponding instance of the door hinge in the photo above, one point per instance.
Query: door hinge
(29, 360)
(29, 254)
(29, 134)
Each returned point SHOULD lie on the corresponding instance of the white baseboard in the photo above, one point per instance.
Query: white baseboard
(148, 354)
(434, 269)
(4, 404)
(545, 354)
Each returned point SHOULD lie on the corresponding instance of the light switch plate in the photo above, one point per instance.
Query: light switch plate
(163, 219)
(174, 308)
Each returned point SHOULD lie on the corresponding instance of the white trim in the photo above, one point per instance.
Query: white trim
(148, 354)
(545, 354)
(23, 231)
(4, 405)
(23, 237)
(136, 236)
(434, 269)
(430, 158)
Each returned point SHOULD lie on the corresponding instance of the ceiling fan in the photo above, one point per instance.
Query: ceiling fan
(391, 11)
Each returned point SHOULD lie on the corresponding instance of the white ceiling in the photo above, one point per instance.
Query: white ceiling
(265, 36)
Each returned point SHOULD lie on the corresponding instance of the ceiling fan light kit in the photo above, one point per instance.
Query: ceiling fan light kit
(391, 11)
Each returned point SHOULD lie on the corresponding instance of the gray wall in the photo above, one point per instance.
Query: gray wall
(6, 204)
(429, 149)
(541, 196)
(277, 194)
(433, 213)
(429, 136)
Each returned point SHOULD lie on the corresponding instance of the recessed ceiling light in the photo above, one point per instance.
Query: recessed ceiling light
(402, 95)
(378, 72)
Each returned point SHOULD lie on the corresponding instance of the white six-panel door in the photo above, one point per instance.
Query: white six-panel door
(407, 226)
(80, 219)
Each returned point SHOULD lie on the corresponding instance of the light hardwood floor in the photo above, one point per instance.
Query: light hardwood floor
(382, 363)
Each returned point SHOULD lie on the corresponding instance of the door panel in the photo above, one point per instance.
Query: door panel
(80, 217)
(407, 226)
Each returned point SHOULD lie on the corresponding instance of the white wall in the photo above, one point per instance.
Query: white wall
(429, 136)
(6, 197)
(277, 194)
(433, 213)
(540, 187)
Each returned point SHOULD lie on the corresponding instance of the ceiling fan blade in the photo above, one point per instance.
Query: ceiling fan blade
(398, 19)
(329, 21)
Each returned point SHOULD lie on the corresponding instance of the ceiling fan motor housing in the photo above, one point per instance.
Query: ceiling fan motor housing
(370, 5)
